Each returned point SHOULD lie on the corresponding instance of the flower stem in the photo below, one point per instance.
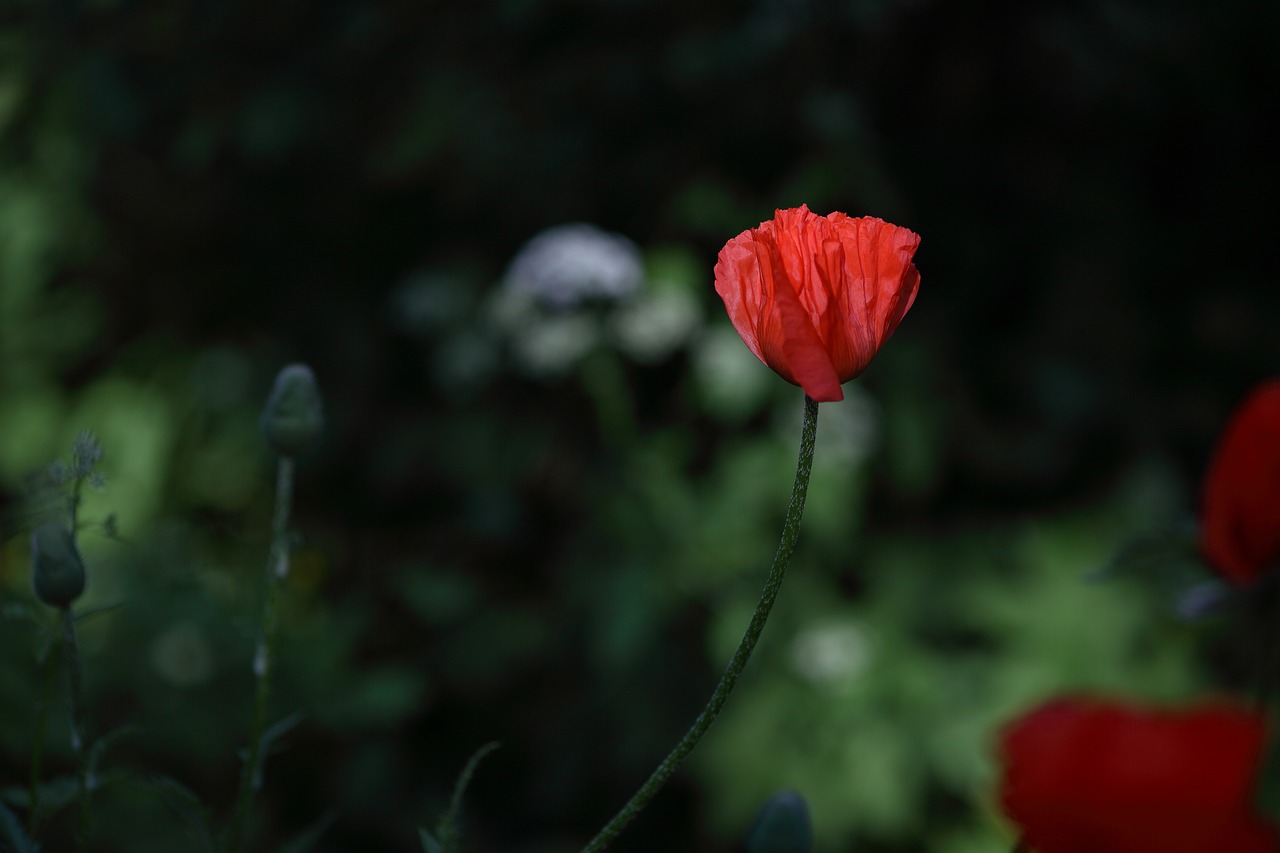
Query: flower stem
(1268, 644)
(37, 747)
(75, 676)
(772, 585)
(277, 568)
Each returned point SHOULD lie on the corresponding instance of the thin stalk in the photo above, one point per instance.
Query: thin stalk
(75, 676)
(790, 530)
(277, 568)
(1269, 644)
(73, 503)
(37, 746)
(603, 377)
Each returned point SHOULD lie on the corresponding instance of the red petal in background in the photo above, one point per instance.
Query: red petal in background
(1085, 776)
(1240, 516)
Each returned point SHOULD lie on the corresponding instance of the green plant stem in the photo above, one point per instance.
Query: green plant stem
(1269, 644)
(604, 378)
(277, 568)
(73, 503)
(447, 829)
(790, 530)
(37, 746)
(78, 745)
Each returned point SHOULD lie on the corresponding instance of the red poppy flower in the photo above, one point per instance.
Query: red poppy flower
(1240, 523)
(1084, 776)
(814, 297)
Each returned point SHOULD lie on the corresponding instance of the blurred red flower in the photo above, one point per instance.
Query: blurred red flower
(814, 297)
(1240, 517)
(1085, 776)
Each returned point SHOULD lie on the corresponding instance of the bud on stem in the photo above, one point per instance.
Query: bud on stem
(293, 417)
(57, 572)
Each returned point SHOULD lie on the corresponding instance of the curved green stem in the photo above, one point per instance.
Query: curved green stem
(78, 746)
(277, 568)
(37, 744)
(772, 585)
(1268, 644)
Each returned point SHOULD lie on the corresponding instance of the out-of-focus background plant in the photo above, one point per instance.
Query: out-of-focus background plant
(552, 475)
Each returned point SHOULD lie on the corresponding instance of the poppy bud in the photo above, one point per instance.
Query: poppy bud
(292, 417)
(782, 826)
(814, 297)
(57, 572)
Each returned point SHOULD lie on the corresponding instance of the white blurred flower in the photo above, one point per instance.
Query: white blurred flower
(554, 344)
(567, 264)
(732, 380)
(850, 429)
(657, 322)
(182, 655)
(831, 654)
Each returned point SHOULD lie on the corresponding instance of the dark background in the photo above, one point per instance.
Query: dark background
(193, 195)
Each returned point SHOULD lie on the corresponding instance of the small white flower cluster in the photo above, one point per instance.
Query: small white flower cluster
(86, 453)
(568, 264)
(574, 287)
(832, 654)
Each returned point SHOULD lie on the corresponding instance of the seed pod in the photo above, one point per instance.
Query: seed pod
(782, 826)
(293, 417)
(57, 572)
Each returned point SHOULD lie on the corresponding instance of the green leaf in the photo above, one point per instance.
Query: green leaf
(1149, 553)
(273, 733)
(17, 611)
(304, 842)
(280, 728)
(447, 829)
(102, 744)
(1267, 796)
(178, 797)
(90, 612)
(429, 843)
(12, 833)
(55, 795)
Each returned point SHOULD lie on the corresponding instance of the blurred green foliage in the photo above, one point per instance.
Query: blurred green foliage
(548, 525)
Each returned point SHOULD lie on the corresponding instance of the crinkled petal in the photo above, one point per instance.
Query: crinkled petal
(815, 297)
(791, 344)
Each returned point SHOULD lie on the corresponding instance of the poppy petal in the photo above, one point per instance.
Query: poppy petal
(1240, 519)
(1086, 775)
(815, 297)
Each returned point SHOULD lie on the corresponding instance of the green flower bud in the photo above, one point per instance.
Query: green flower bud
(782, 826)
(292, 417)
(57, 572)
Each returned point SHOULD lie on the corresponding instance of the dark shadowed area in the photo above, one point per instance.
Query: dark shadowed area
(552, 477)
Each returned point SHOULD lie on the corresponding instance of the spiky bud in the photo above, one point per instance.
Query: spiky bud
(57, 572)
(293, 416)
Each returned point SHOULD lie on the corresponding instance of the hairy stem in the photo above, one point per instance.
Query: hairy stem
(78, 745)
(1268, 621)
(37, 746)
(277, 568)
(738, 662)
